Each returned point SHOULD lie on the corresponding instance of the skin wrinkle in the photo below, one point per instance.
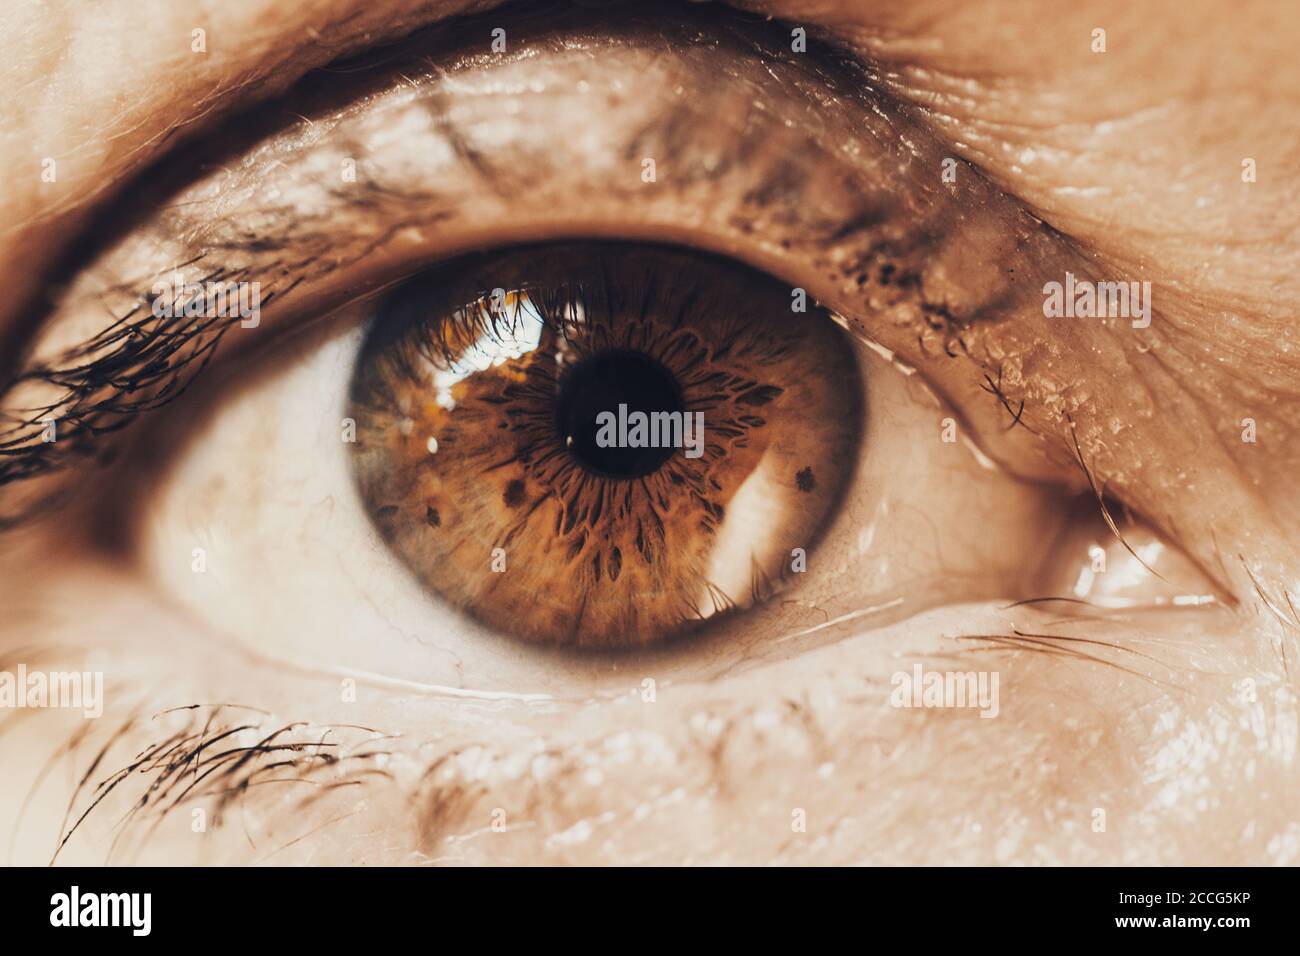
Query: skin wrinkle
(204, 224)
(1119, 462)
(1164, 756)
(94, 155)
(448, 785)
(1225, 265)
(1019, 74)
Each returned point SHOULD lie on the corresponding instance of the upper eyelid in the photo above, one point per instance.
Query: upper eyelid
(674, 131)
(173, 173)
(184, 161)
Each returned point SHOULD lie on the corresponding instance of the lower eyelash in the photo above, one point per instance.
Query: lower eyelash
(203, 760)
(188, 756)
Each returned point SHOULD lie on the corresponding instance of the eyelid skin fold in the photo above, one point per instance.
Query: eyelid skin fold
(435, 159)
(265, 665)
(793, 163)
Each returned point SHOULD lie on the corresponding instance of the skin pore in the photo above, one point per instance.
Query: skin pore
(1179, 725)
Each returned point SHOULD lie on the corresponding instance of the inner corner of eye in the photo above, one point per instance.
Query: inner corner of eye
(602, 445)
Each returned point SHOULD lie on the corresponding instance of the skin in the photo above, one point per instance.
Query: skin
(1180, 726)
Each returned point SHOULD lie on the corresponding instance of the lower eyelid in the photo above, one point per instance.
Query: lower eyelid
(703, 740)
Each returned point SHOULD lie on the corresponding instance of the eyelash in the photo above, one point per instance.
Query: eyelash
(137, 364)
(140, 358)
(182, 765)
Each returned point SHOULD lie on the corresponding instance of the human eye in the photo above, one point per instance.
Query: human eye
(463, 487)
(388, 482)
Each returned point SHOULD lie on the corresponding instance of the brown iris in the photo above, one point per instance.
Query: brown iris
(602, 446)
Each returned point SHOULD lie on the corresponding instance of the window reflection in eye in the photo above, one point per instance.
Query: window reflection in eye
(629, 442)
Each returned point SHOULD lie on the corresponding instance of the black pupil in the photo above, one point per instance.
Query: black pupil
(600, 384)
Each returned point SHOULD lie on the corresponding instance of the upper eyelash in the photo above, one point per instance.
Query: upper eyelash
(135, 365)
(446, 329)
(146, 366)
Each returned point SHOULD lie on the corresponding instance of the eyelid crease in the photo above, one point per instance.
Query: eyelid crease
(859, 230)
(133, 131)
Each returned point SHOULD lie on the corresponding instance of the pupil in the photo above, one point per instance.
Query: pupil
(600, 384)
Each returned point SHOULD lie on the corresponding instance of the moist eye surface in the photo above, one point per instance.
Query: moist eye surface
(602, 445)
